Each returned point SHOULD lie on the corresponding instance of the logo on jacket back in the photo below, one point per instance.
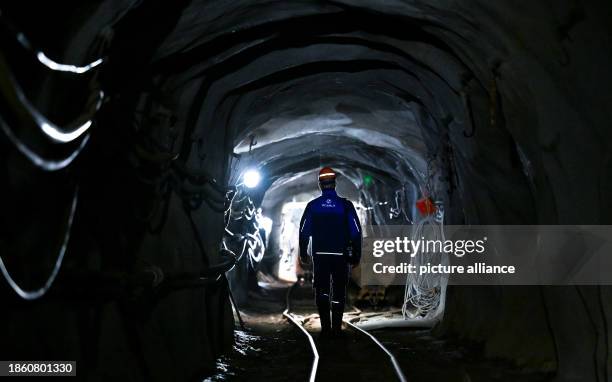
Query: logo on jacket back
(328, 204)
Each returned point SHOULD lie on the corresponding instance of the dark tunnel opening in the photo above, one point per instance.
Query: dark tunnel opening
(157, 157)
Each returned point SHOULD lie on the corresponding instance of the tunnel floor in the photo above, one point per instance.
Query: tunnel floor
(270, 348)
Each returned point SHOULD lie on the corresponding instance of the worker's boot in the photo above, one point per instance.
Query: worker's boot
(322, 300)
(326, 329)
(337, 313)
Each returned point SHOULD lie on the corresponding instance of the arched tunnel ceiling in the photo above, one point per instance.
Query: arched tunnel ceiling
(297, 156)
(374, 87)
(348, 110)
(346, 115)
(255, 63)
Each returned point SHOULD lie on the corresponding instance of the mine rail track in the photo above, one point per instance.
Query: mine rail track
(355, 329)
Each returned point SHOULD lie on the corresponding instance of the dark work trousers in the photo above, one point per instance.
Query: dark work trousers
(331, 274)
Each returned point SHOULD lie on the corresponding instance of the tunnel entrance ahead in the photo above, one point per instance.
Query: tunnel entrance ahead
(355, 122)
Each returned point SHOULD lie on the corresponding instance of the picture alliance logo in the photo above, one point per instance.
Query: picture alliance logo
(404, 245)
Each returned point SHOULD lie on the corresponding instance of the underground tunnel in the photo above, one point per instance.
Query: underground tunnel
(157, 160)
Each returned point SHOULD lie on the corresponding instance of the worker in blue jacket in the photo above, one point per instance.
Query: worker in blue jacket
(330, 233)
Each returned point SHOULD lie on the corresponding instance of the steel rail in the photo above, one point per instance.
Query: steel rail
(396, 366)
(313, 347)
(315, 363)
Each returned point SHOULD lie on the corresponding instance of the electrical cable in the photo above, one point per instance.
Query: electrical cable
(35, 294)
(41, 57)
(422, 293)
(43, 163)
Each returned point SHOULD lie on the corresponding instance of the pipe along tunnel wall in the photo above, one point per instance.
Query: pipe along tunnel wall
(507, 104)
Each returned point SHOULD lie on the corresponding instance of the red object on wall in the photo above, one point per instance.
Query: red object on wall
(426, 206)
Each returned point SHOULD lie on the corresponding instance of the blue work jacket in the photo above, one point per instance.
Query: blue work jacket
(330, 224)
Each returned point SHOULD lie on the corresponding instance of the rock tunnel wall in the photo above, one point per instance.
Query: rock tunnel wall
(509, 99)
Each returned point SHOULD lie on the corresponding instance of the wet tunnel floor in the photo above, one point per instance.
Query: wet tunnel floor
(272, 349)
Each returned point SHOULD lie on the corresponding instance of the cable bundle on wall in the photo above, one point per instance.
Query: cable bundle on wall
(242, 210)
(424, 294)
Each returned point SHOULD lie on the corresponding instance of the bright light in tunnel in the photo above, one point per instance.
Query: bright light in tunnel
(251, 178)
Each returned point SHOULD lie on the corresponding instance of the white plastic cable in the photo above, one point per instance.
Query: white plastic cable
(54, 65)
(51, 130)
(49, 63)
(37, 160)
(424, 294)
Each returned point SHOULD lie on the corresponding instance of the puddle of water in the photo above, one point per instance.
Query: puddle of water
(244, 346)
(223, 371)
(244, 342)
